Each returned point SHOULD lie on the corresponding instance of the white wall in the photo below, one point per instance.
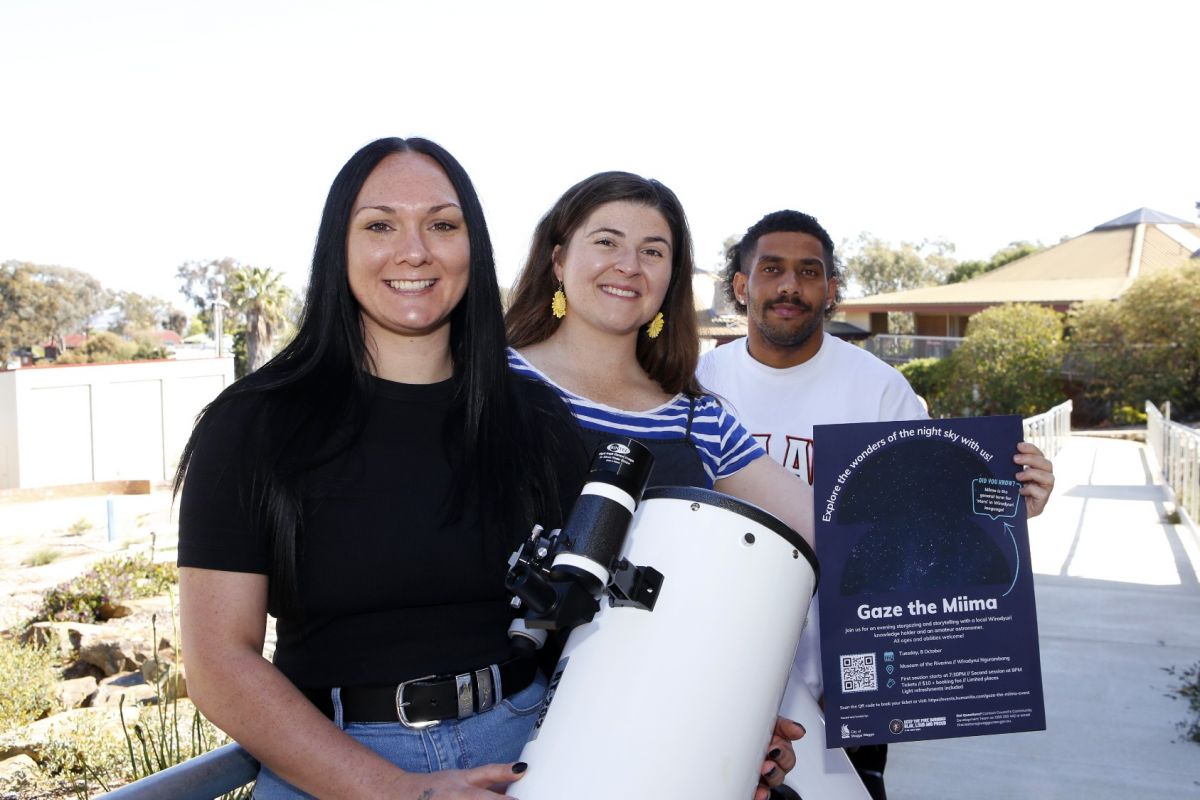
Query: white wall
(860, 318)
(80, 423)
(8, 431)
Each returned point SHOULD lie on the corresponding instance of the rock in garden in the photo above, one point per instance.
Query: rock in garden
(68, 635)
(130, 685)
(76, 692)
(113, 653)
(17, 771)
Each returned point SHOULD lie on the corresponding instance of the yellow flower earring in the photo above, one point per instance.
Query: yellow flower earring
(558, 305)
(656, 326)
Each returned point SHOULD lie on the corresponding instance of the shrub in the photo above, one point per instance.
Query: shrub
(1188, 690)
(27, 683)
(1145, 346)
(108, 583)
(40, 558)
(87, 756)
(929, 378)
(1128, 415)
(1009, 363)
(102, 347)
(148, 348)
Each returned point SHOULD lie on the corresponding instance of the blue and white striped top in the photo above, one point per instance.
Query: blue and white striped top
(722, 443)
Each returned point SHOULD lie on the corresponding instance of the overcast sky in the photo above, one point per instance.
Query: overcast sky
(135, 136)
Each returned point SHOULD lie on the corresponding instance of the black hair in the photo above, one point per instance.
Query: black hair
(322, 379)
(786, 221)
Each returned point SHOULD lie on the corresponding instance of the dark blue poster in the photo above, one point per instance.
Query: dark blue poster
(928, 623)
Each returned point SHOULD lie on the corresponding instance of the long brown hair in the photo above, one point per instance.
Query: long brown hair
(669, 359)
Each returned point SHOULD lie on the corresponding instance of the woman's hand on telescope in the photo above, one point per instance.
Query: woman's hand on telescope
(781, 758)
(464, 784)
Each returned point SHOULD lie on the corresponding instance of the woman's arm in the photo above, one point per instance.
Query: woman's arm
(772, 488)
(223, 617)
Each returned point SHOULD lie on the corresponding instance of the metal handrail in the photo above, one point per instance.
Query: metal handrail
(1049, 430)
(201, 778)
(898, 349)
(1177, 449)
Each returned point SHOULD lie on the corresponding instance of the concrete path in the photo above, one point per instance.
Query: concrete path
(1118, 594)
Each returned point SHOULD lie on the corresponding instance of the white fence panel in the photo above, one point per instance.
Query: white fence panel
(1049, 430)
(1177, 448)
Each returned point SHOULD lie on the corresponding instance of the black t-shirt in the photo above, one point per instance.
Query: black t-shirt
(390, 589)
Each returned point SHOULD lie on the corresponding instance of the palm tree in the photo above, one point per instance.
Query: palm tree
(263, 299)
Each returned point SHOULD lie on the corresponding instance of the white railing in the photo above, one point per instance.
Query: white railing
(896, 349)
(1049, 430)
(1177, 448)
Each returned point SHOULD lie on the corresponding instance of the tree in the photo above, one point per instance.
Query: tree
(45, 303)
(263, 300)
(874, 266)
(176, 321)
(138, 313)
(1145, 346)
(1009, 363)
(75, 299)
(1095, 360)
(202, 282)
(966, 270)
(17, 310)
(1013, 251)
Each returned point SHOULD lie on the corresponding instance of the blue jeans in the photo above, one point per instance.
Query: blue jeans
(492, 737)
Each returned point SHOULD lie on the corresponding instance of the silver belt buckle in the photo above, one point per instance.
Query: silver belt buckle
(401, 704)
(466, 697)
(485, 692)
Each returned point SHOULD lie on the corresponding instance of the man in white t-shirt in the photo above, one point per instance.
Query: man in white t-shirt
(787, 375)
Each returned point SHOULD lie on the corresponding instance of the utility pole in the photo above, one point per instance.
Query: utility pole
(216, 284)
(219, 307)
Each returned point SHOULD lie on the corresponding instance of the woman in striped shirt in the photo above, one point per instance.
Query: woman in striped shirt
(603, 314)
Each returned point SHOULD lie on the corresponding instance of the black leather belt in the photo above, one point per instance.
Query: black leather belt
(421, 702)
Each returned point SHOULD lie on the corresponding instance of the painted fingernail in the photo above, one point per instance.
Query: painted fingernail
(774, 754)
(519, 767)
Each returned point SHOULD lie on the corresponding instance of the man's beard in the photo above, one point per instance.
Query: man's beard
(788, 336)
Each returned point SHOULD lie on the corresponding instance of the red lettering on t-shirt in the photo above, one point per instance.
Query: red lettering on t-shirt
(797, 458)
(799, 454)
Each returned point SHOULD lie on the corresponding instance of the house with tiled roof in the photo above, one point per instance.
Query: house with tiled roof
(1097, 265)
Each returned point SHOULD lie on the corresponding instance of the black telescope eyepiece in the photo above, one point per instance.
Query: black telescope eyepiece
(623, 463)
(560, 579)
(595, 532)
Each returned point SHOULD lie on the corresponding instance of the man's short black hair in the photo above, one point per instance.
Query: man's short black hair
(785, 221)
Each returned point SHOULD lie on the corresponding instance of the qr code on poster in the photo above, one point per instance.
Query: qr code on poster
(858, 673)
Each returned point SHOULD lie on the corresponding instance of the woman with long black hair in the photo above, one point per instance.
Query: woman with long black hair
(365, 487)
